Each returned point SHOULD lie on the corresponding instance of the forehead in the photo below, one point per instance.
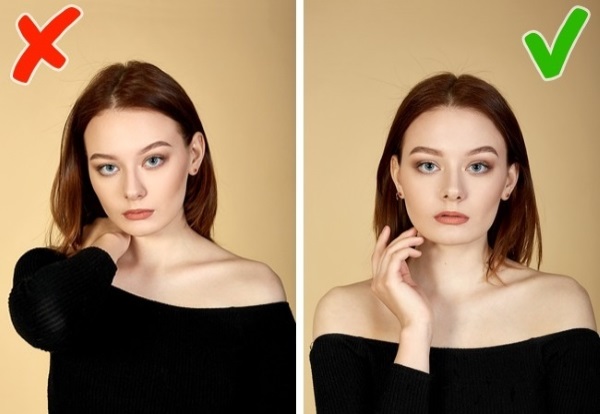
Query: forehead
(453, 130)
(115, 130)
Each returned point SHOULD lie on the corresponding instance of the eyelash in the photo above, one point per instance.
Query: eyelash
(484, 165)
(102, 168)
(159, 157)
(421, 167)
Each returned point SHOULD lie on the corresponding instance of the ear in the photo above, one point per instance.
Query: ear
(511, 181)
(196, 148)
(395, 173)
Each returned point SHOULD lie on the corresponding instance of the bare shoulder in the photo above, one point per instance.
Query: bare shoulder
(222, 278)
(559, 301)
(352, 310)
(572, 304)
(251, 282)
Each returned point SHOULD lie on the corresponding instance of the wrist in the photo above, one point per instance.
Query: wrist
(417, 333)
(415, 343)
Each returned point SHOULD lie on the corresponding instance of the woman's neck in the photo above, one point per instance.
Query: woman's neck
(158, 252)
(451, 270)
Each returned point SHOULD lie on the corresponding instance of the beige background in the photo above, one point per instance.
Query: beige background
(235, 58)
(362, 57)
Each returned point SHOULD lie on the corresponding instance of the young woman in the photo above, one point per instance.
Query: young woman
(141, 311)
(453, 320)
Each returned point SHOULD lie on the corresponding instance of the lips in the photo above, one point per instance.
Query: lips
(139, 214)
(451, 217)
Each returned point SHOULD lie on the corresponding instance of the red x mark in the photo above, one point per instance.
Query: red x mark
(41, 43)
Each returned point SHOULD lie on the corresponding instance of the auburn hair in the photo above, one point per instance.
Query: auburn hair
(515, 231)
(73, 202)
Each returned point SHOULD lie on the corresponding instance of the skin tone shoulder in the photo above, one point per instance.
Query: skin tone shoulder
(429, 285)
(138, 165)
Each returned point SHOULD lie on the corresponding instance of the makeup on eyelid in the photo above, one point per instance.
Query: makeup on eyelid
(161, 160)
(429, 167)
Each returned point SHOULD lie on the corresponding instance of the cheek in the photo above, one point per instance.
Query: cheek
(418, 205)
(487, 197)
(104, 192)
(491, 201)
(173, 183)
(97, 186)
(490, 191)
(420, 191)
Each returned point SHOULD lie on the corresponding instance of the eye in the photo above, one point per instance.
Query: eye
(107, 169)
(478, 168)
(154, 161)
(427, 167)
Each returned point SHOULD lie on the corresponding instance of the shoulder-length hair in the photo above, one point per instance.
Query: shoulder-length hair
(73, 202)
(516, 228)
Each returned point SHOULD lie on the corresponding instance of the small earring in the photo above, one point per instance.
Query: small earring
(399, 196)
(505, 196)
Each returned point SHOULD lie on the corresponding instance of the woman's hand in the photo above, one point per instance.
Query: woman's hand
(104, 234)
(394, 286)
(392, 282)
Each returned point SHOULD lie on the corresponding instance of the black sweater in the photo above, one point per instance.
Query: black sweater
(557, 373)
(115, 352)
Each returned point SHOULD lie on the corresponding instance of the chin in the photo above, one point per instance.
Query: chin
(456, 241)
(139, 228)
(139, 234)
(452, 236)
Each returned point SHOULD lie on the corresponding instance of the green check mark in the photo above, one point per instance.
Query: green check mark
(551, 61)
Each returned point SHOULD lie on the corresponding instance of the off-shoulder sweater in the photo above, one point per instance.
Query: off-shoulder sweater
(114, 352)
(556, 373)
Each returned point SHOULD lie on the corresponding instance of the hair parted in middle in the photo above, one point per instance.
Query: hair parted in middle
(134, 84)
(516, 228)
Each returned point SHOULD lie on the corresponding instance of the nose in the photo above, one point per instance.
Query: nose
(134, 188)
(453, 187)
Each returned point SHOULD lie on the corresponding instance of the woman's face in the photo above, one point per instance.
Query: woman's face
(138, 164)
(453, 174)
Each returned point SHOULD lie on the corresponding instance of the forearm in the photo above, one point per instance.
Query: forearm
(51, 294)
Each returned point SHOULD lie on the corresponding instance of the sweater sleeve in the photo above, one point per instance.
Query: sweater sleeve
(346, 380)
(271, 382)
(54, 296)
(572, 374)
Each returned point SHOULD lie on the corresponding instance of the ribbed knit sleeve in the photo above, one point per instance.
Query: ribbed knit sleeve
(271, 370)
(406, 391)
(53, 296)
(346, 380)
(572, 375)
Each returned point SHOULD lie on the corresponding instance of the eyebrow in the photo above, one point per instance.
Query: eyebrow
(439, 153)
(142, 151)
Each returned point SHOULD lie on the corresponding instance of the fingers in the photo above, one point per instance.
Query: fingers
(98, 228)
(380, 248)
(391, 269)
(394, 259)
(406, 276)
(392, 282)
(390, 257)
(410, 235)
